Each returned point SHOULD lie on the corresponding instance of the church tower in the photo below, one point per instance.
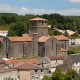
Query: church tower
(38, 25)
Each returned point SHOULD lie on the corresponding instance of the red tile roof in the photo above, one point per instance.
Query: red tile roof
(33, 61)
(61, 37)
(56, 57)
(3, 69)
(63, 50)
(38, 19)
(26, 66)
(17, 39)
(44, 38)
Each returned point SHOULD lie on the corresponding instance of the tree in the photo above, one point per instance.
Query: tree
(11, 33)
(72, 75)
(56, 32)
(58, 75)
(46, 78)
(74, 35)
(19, 28)
(66, 34)
(70, 52)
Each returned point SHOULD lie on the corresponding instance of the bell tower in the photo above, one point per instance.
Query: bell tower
(38, 25)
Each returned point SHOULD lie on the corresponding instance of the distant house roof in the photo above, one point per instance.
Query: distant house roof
(44, 60)
(44, 38)
(38, 19)
(20, 39)
(56, 57)
(26, 66)
(3, 30)
(33, 61)
(3, 69)
(61, 37)
(75, 57)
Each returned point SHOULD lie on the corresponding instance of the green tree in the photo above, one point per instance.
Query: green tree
(70, 52)
(47, 78)
(58, 75)
(71, 75)
(74, 35)
(66, 34)
(11, 33)
(56, 32)
(19, 28)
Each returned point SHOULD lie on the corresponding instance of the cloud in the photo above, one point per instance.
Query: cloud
(74, 1)
(5, 8)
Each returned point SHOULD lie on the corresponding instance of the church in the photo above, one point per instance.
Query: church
(37, 43)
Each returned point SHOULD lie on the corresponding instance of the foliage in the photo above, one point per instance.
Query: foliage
(56, 32)
(18, 29)
(8, 78)
(70, 52)
(55, 20)
(59, 75)
(75, 49)
(66, 34)
(74, 35)
(50, 32)
(46, 78)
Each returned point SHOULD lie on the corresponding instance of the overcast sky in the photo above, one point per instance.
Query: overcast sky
(63, 7)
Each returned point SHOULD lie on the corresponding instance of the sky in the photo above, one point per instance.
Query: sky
(22, 7)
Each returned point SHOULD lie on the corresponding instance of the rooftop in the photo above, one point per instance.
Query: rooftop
(33, 61)
(27, 66)
(44, 38)
(56, 57)
(38, 19)
(61, 37)
(21, 39)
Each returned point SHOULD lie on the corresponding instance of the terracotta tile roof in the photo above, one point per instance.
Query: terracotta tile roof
(61, 37)
(3, 69)
(33, 61)
(63, 50)
(21, 39)
(44, 38)
(38, 19)
(56, 57)
(27, 66)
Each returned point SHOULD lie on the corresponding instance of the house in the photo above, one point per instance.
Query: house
(74, 40)
(38, 43)
(6, 73)
(3, 33)
(55, 61)
(71, 61)
(28, 71)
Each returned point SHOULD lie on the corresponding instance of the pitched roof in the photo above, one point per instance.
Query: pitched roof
(33, 61)
(44, 38)
(4, 69)
(75, 57)
(20, 39)
(38, 19)
(61, 37)
(27, 66)
(63, 50)
(56, 57)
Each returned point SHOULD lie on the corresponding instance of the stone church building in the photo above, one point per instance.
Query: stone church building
(38, 43)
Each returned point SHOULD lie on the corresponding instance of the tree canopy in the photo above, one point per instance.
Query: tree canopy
(59, 75)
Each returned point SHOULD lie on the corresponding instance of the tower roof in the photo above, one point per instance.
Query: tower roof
(38, 19)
